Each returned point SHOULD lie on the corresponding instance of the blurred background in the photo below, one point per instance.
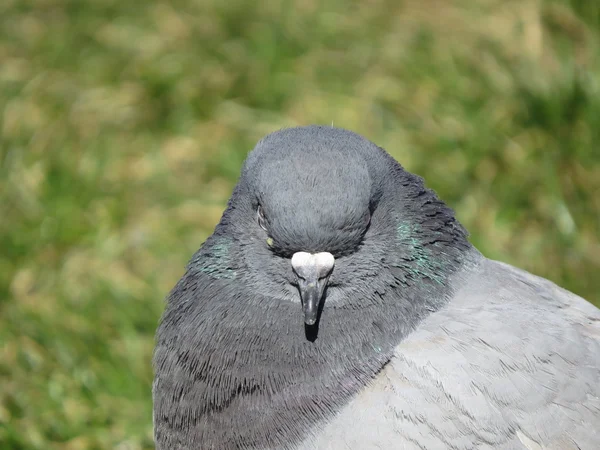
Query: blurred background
(123, 126)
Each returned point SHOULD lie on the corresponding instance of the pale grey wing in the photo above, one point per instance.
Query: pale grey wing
(513, 362)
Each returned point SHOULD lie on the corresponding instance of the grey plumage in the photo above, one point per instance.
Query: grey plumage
(421, 342)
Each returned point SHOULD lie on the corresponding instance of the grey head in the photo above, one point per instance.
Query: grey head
(314, 196)
(327, 255)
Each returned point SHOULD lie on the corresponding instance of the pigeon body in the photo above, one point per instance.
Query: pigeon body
(339, 305)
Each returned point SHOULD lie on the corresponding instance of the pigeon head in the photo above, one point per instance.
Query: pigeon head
(314, 212)
(313, 197)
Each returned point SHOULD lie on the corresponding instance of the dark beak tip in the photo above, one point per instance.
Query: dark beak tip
(311, 313)
(310, 320)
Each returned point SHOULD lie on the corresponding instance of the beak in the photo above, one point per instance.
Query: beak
(312, 272)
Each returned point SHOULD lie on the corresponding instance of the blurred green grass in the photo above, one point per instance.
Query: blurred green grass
(123, 126)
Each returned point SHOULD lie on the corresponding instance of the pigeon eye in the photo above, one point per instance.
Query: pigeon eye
(260, 218)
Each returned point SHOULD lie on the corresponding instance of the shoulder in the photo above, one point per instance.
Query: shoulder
(512, 358)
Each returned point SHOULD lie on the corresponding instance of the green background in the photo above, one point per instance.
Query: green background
(123, 125)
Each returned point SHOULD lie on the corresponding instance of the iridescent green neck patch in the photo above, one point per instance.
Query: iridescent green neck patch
(216, 260)
(418, 260)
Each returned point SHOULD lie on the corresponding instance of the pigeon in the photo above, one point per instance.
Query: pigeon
(340, 305)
